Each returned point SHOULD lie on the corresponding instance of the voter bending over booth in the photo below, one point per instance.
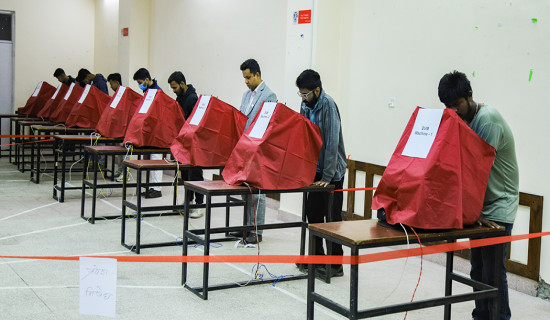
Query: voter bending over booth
(502, 194)
(85, 77)
(186, 96)
(60, 75)
(252, 100)
(145, 82)
(155, 124)
(117, 115)
(321, 109)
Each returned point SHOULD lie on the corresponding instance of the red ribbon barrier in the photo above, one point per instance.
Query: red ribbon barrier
(372, 257)
(13, 144)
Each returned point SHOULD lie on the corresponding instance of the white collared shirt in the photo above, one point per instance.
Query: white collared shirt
(252, 96)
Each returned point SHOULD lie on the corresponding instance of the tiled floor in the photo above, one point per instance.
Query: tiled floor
(33, 224)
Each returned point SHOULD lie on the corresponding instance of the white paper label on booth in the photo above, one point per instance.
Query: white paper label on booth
(68, 94)
(84, 93)
(148, 100)
(37, 90)
(201, 110)
(263, 120)
(423, 133)
(98, 286)
(118, 96)
(56, 91)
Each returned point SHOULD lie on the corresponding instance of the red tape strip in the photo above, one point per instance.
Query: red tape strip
(26, 136)
(13, 144)
(371, 257)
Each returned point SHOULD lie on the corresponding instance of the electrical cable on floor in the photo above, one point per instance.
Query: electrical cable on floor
(420, 274)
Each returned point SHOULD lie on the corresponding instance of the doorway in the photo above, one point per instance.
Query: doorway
(7, 26)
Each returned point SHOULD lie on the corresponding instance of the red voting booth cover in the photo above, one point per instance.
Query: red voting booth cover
(119, 111)
(38, 99)
(157, 122)
(64, 108)
(87, 110)
(210, 133)
(445, 190)
(54, 101)
(283, 157)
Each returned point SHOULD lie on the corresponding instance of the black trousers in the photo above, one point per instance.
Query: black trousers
(194, 174)
(317, 211)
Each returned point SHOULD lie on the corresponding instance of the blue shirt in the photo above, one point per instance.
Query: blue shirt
(332, 158)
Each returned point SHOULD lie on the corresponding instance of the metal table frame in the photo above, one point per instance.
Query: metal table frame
(202, 236)
(142, 211)
(395, 237)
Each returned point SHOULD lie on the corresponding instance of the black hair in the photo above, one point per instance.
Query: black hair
(142, 74)
(177, 76)
(309, 79)
(252, 65)
(453, 86)
(115, 77)
(82, 73)
(58, 72)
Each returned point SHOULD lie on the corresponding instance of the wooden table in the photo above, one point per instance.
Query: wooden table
(361, 234)
(202, 236)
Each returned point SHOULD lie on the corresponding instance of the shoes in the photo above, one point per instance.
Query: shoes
(335, 271)
(253, 238)
(151, 194)
(119, 178)
(238, 234)
(196, 213)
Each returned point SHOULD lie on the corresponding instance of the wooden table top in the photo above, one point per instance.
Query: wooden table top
(365, 232)
(118, 149)
(219, 187)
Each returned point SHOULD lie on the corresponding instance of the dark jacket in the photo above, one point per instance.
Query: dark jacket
(100, 82)
(188, 100)
(69, 81)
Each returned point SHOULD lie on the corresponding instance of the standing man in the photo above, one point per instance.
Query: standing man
(252, 101)
(187, 97)
(62, 77)
(85, 77)
(502, 193)
(115, 81)
(143, 78)
(321, 109)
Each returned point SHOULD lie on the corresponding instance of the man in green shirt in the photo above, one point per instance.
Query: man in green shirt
(502, 194)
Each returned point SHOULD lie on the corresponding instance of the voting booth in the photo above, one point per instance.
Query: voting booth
(157, 121)
(42, 93)
(119, 111)
(210, 133)
(53, 101)
(278, 151)
(437, 175)
(87, 110)
(64, 108)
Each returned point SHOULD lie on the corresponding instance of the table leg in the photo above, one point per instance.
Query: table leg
(55, 168)
(83, 196)
(354, 285)
(448, 281)
(138, 211)
(206, 266)
(123, 213)
(311, 278)
(95, 165)
(185, 241)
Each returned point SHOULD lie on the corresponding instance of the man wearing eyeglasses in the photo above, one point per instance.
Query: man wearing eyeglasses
(321, 109)
(252, 101)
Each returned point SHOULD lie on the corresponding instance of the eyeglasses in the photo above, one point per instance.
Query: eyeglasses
(304, 95)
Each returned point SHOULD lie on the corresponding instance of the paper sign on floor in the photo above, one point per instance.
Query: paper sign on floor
(98, 286)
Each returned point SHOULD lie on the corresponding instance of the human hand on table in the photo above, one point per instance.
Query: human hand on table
(321, 183)
(482, 221)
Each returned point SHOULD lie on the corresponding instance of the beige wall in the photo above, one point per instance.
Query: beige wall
(50, 34)
(107, 33)
(400, 49)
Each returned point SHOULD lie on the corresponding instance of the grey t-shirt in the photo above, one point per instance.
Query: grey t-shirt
(502, 195)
